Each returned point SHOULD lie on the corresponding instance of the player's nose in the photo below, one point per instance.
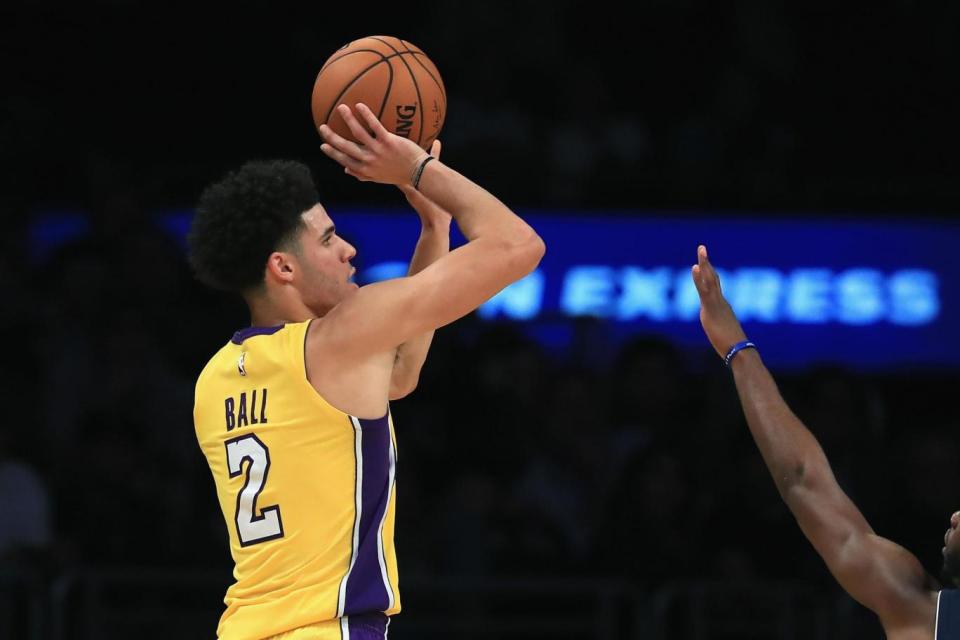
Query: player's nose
(351, 251)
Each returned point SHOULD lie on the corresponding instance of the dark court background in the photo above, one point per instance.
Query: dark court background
(540, 495)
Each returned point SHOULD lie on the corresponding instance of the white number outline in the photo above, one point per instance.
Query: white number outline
(258, 468)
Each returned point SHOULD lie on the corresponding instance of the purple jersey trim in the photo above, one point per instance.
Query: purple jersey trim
(249, 332)
(366, 588)
(369, 626)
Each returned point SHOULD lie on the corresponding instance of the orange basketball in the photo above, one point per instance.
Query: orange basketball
(391, 76)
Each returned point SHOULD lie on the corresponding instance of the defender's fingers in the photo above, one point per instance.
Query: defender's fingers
(698, 280)
(371, 120)
(435, 149)
(356, 128)
(340, 143)
(704, 261)
(702, 268)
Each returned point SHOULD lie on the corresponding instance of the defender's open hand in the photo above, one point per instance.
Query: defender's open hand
(717, 317)
(378, 156)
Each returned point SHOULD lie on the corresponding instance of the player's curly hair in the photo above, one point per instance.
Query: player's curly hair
(244, 217)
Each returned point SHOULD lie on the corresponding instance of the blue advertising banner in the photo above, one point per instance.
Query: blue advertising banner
(874, 295)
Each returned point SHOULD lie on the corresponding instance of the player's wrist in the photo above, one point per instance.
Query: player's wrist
(430, 223)
(738, 349)
(417, 174)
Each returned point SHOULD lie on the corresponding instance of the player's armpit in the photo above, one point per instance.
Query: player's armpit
(879, 574)
(381, 316)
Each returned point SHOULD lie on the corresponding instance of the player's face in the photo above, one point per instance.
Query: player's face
(951, 551)
(327, 272)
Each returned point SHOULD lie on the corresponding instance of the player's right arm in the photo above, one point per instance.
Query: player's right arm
(501, 247)
(878, 573)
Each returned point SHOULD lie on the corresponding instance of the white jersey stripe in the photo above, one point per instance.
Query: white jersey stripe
(383, 562)
(936, 623)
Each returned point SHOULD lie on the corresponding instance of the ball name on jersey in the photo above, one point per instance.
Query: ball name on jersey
(240, 412)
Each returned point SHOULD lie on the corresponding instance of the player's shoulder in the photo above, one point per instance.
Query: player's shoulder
(212, 365)
(275, 343)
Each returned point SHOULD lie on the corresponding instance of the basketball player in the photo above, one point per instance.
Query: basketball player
(292, 413)
(878, 573)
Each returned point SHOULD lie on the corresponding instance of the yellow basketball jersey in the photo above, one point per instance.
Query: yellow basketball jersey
(306, 490)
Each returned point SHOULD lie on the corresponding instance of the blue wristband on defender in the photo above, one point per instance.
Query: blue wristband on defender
(737, 348)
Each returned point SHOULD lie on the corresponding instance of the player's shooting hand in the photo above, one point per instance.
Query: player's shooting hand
(431, 214)
(378, 155)
(717, 317)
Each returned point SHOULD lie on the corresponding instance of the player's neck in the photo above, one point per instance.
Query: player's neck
(270, 311)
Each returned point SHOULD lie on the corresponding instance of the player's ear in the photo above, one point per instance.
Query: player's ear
(280, 266)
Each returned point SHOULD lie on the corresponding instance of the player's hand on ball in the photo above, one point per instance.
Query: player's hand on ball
(379, 156)
(431, 214)
(717, 317)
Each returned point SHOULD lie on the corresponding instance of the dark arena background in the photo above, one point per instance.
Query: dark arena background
(574, 462)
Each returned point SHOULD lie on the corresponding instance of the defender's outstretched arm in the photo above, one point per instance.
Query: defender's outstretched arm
(878, 573)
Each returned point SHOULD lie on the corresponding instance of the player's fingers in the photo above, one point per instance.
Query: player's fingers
(341, 144)
(350, 172)
(371, 120)
(358, 130)
(435, 149)
(340, 156)
(334, 153)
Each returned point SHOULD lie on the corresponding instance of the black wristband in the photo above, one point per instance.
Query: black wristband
(419, 173)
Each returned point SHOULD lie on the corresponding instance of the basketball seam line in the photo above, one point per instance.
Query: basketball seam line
(439, 84)
(353, 82)
(386, 94)
(383, 58)
(349, 53)
(443, 92)
(416, 86)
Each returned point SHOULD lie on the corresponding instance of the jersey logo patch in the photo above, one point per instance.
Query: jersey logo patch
(240, 364)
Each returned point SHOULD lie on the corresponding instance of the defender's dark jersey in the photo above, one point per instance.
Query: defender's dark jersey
(948, 615)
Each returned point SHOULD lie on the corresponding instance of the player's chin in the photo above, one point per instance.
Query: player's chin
(950, 572)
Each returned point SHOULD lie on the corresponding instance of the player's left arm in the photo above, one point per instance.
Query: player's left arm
(878, 573)
(433, 244)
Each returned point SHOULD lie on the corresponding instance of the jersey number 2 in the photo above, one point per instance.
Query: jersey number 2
(253, 528)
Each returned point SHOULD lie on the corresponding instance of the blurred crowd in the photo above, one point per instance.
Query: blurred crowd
(765, 105)
(521, 462)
